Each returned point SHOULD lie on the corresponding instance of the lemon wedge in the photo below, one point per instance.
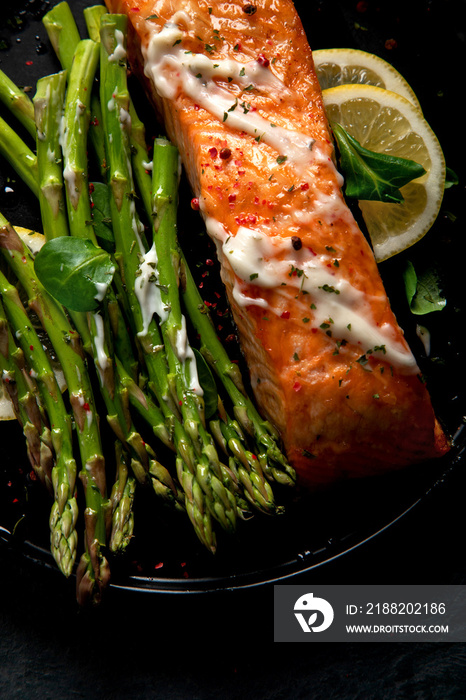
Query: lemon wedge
(385, 122)
(34, 242)
(352, 66)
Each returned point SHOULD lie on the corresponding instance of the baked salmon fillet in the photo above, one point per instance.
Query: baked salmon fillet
(235, 86)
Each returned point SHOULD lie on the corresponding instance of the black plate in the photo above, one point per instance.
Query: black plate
(165, 555)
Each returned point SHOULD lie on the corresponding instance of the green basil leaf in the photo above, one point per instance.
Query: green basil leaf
(74, 271)
(207, 382)
(423, 291)
(451, 178)
(370, 175)
(102, 215)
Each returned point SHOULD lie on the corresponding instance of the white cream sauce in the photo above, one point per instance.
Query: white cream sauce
(119, 52)
(172, 69)
(101, 357)
(148, 292)
(326, 297)
(185, 354)
(101, 288)
(150, 301)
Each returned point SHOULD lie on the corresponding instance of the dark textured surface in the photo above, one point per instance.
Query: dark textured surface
(156, 646)
(210, 646)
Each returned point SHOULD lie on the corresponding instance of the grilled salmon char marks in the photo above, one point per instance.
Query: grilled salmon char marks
(329, 364)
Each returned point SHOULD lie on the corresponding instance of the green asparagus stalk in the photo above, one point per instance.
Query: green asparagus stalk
(143, 460)
(48, 112)
(63, 32)
(121, 498)
(48, 108)
(64, 511)
(74, 146)
(23, 393)
(79, 209)
(68, 348)
(20, 156)
(180, 356)
(76, 124)
(248, 467)
(272, 458)
(92, 17)
(272, 461)
(18, 103)
(130, 253)
(144, 405)
(64, 36)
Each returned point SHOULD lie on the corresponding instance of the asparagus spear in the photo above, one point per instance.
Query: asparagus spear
(63, 516)
(62, 32)
(121, 498)
(266, 438)
(67, 345)
(76, 123)
(130, 254)
(23, 393)
(48, 109)
(47, 115)
(19, 155)
(273, 462)
(48, 112)
(92, 16)
(64, 36)
(17, 102)
(75, 132)
(180, 355)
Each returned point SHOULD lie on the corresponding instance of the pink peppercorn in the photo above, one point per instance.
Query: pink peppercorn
(263, 60)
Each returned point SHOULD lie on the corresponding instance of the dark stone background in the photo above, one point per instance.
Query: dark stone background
(210, 645)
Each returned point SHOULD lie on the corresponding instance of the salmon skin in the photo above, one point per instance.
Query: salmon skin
(329, 365)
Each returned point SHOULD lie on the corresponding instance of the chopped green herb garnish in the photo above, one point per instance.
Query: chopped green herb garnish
(329, 288)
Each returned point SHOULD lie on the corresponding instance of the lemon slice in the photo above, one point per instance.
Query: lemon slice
(350, 66)
(34, 242)
(385, 122)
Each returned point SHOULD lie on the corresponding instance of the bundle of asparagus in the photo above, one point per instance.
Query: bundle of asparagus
(116, 307)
